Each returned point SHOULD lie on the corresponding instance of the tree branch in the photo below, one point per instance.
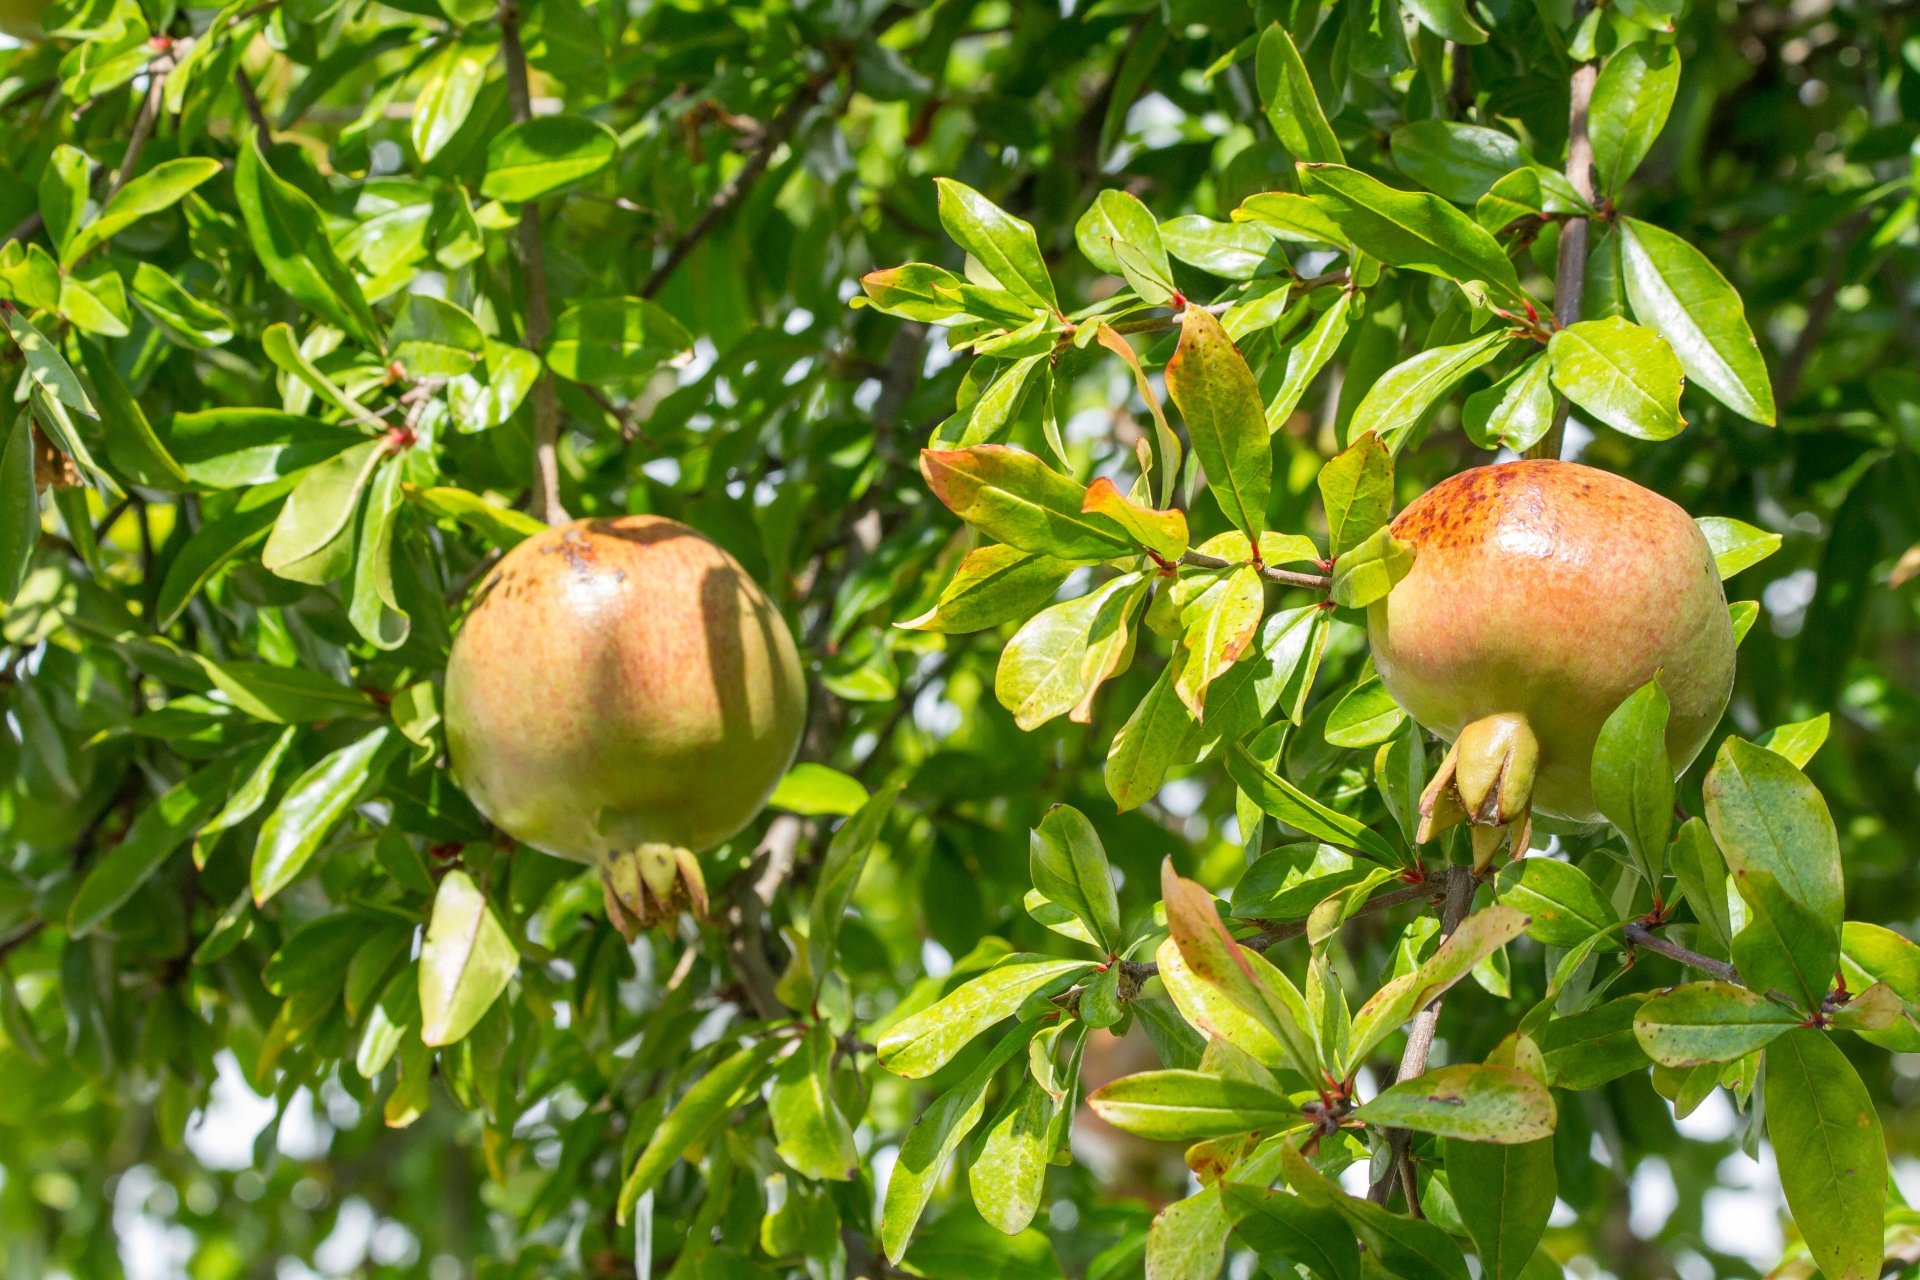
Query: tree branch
(1819, 310)
(252, 100)
(1640, 936)
(533, 269)
(1570, 270)
(159, 69)
(729, 194)
(1285, 577)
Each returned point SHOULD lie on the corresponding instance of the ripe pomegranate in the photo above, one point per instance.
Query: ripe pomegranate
(1544, 593)
(623, 694)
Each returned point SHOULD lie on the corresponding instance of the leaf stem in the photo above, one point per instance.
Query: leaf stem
(533, 266)
(1285, 577)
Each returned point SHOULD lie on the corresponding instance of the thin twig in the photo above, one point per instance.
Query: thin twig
(20, 936)
(254, 111)
(1819, 310)
(159, 69)
(533, 267)
(1413, 1062)
(1285, 577)
(1640, 936)
(729, 194)
(1157, 324)
(1570, 270)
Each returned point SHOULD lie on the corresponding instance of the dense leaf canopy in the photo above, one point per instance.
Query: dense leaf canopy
(1056, 370)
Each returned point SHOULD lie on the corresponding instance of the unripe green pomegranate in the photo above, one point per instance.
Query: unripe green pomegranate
(1544, 593)
(622, 693)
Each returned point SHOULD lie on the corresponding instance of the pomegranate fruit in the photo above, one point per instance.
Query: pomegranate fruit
(1543, 594)
(623, 694)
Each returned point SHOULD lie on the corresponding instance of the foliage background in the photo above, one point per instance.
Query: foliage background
(790, 438)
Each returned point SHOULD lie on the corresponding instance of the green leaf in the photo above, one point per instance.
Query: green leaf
(1307, 357)
(1000, 242)
(65, 184)
(433, 338)
(1279, 1224)
(1563, 904)
(234, 448)
(1505, 1195)
(1365, 717)
(1704, 1022)
(1118, 217)
(1398, 402)
(1069, 866)
(1624, 375)
(1631, 100)
(546, 154)
(1797, 742)
(1164, 533)
(1356, 489)
(158, 188)
(1173, 1106)
(960, 1246)
(312, 538)
(923, 1043)
(1230, 250)
(132, 446)
(168, 822)
(611, 339)
(1292, 106)
(1280, 798)
(1008, 1177)
(701, 1110)
(1678, 292)
(487, 396)
(935, 1136)
(245, 800)
(1479, 935)
(1784, 946)
(444, 101)
(1702, 871)
(372, 605)
(1515, 412)
(289, 235)
(1290, 217)
(1736, 546)
(283, 695)
(1371, 570)
(1148, 744)
(1585, 1050)
(45, 365)
(1053, 665)
(1470, 1101)
(1633, 778)
(1216, 392)
(1017, 499)
(1459, 161)
(1833, 1160)
(1220, 624)
(813, 789)
(312, 806)
(916, 291)
(19, 506)
(839, 875)
(504, 527)
(1411, 229)
(1452, 19)
(1766, 816)
(1742, 613)
(993, 585)
(278, 342)
(813, 1136)
(1205, 1006)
